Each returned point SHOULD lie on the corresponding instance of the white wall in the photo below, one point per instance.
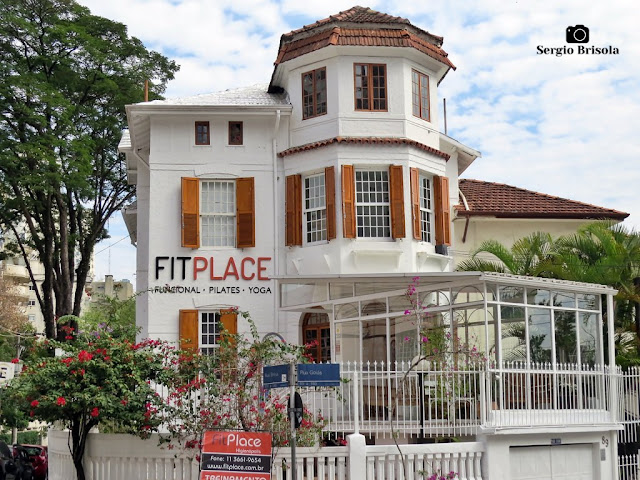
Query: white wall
(505, 231)
(496, 460)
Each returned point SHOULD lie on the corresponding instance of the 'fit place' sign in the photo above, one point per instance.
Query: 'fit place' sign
(208, 268)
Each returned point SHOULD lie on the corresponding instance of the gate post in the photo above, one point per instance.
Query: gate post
(356, 445)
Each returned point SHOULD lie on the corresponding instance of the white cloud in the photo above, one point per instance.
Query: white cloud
(559, 125)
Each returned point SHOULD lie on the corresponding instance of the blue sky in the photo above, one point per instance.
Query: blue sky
(562, 125)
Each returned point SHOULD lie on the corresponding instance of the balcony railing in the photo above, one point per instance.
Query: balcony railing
(396, 399)
(400, 399)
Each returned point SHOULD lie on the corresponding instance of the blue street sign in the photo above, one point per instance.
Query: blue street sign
(275, 376)
(318, 375)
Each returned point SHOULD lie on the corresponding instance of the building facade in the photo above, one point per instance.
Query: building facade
(314, 203)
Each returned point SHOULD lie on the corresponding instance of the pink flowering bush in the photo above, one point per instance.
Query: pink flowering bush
(444, 349)
(224, 391)
(442, 476)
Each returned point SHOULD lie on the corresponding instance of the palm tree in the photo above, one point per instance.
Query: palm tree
(605, 253)
(600, 252)
(532, 255)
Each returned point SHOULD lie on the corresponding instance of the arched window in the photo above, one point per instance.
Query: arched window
(316, 333)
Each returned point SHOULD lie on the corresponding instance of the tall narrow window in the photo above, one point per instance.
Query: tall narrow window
(203, 133)
(235, 133)
(210, 327)
(315, 209)
(218, 213)
(370, 87)
(426, 208)
(373, 215)
(314, 93)
(420, 94)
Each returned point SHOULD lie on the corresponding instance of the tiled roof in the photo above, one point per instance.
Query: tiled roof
(355, 14)
(506, 201)
(252, 95)
(360, 26)
(361, 37)
(363, 141)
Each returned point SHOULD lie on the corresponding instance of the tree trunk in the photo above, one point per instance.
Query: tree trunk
(79, 434)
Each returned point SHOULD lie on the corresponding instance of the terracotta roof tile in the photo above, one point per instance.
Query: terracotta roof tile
(360, 26)
(363, 141)
(354, 15)
(505, 201)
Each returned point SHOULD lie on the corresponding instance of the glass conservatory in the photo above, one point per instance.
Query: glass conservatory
(453, 352)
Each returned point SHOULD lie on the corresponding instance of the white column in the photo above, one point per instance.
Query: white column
(356, 445)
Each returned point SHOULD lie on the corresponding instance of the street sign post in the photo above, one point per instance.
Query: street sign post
(276, 376)
(304, 375)
(318, 375)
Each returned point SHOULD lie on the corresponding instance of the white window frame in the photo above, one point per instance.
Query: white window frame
(314, 209)
(218, 214)
(209, 318)
(361, 204)
(425, 185)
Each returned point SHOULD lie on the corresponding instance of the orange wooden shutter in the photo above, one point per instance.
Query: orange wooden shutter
(229, 321)
(293, 209)
(330, 201)
(188, 330)
(415, 204)
(396, 188)
(442, 210)
(190, 212)
(348, 202)
(245, 213)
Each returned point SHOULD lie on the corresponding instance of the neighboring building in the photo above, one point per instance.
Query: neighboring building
(314, 202)
(120, 289)
(15, 268)
(495, 211)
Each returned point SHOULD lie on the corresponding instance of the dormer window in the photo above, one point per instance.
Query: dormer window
(370, 87)
(420, 94)
(203, 134)
(314, 93)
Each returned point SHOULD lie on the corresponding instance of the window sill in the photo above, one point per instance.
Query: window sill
(378, 250)
(444, 260)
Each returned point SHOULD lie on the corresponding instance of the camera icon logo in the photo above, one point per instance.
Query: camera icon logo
(577, 34)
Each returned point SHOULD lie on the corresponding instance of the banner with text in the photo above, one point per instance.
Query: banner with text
(235, 456)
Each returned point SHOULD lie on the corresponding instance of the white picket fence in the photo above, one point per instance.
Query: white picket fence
(120, 457)
(628, 467)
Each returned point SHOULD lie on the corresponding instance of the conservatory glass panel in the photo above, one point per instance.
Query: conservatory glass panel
(513, 340)
(566, 338)
(540, 335)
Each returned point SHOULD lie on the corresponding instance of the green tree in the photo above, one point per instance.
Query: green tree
(609, 254)
(111, 312)
(65, 77)
(99, 378)
(604, 253)
(531, 255)
(600, 252)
